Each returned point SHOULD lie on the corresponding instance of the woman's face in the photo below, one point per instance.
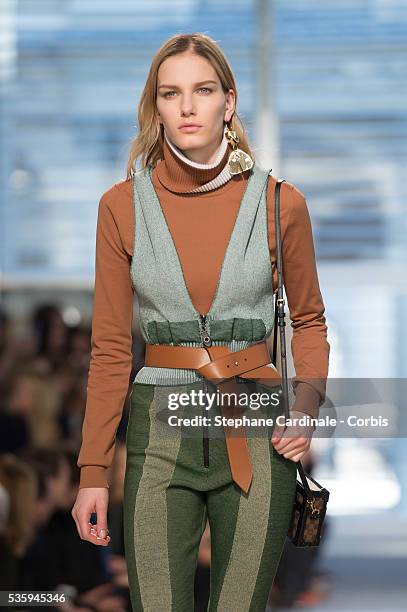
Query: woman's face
(189, 91)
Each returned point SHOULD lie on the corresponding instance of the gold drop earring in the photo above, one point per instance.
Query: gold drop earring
(239, 161)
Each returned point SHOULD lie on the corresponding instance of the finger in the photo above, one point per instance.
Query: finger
(76, 523)
(94, 539)
(295, 451)
(84, 523)
(297, 457)
(101, 511)
(289, 443)
(277, 433)
(285, 444)
(83, 516)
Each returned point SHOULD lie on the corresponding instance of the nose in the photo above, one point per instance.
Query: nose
(187, 107)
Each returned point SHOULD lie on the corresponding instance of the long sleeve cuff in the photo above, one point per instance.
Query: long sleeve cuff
(93, 476)
(307, 399)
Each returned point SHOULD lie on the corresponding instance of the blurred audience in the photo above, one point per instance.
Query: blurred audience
(43, 378)
(18, 491)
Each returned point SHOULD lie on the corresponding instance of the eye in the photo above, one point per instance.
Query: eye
(166, 95)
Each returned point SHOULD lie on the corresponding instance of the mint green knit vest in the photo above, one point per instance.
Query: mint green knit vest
(242, 309)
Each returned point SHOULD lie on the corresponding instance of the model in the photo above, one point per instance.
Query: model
(191, 233)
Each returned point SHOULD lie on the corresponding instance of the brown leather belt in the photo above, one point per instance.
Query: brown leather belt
(220, 365)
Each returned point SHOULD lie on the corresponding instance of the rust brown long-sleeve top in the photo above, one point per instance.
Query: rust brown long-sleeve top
(210, 214)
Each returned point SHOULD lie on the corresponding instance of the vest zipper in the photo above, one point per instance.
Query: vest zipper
(205, 336)
(206, 341)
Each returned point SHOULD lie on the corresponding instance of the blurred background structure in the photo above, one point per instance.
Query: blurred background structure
(322, 91)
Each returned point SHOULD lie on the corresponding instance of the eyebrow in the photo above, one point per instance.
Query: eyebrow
(199, 83)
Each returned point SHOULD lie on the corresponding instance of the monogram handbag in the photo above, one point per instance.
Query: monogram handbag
(311, 498)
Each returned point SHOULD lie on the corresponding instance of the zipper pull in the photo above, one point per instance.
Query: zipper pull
(205, 337)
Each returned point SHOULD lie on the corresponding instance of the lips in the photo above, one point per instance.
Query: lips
(189, 128)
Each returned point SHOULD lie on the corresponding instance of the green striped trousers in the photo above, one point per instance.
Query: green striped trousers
(169, 494)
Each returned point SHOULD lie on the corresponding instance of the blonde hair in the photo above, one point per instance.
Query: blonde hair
(148, 144)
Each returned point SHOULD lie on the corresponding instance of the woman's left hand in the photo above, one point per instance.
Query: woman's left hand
(297, 439)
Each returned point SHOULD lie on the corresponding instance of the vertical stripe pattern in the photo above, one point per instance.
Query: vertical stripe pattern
(250, 533)
(168, 495)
